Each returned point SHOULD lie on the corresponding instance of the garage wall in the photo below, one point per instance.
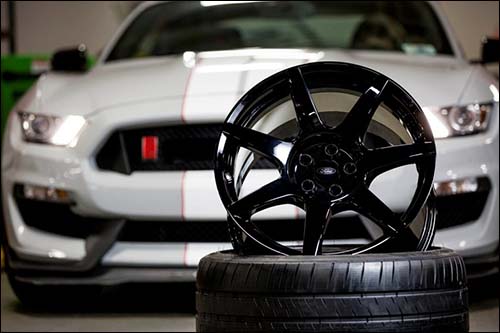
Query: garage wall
(43, 26)
(471, 20)
(5, 23)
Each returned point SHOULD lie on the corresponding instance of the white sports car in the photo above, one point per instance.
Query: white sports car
(107, 174)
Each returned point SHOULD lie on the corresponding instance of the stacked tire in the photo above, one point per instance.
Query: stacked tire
(394, 283)
(398, 292)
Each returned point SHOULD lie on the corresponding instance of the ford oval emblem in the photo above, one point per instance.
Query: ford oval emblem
(327, 171)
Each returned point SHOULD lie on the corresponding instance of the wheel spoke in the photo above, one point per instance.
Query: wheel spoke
(317, 217)
(305, 110)
(406, 240)
(369, 205)
(270, 147)
(379, 160)
(274, 193)
(355, 123)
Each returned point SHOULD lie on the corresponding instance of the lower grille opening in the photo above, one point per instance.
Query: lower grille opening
(57, 219)
(458, 209)
(216, 231)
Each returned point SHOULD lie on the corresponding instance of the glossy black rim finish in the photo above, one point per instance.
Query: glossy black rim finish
(326, 170)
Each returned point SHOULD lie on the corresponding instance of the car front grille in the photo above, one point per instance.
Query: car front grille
(180, 147)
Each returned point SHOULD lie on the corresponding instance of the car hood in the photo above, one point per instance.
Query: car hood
(226, 75)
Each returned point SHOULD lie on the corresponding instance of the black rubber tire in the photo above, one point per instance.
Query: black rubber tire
(397, 292)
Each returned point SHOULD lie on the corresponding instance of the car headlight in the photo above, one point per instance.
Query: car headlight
(458, 120)
(58, 131)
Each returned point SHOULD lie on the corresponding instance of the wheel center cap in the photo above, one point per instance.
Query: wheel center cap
(324, 167)
(326, 171)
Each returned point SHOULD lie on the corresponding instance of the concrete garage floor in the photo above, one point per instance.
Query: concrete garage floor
(171, 308)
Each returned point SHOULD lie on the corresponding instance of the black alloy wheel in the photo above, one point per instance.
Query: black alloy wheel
(328, 170)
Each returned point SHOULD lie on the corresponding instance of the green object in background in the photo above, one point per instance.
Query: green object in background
(18, 73)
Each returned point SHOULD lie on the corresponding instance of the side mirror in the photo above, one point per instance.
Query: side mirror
(70, 60)
(490, 50)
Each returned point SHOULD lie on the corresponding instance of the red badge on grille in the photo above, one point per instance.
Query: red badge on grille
(149, 148)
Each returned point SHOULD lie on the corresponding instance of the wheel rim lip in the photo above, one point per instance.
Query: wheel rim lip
(242, 115)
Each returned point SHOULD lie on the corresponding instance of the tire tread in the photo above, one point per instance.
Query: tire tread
(397, 292)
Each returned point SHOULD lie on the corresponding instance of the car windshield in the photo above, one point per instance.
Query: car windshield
(177, 27)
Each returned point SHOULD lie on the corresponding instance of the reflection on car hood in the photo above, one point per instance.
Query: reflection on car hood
(227, 75)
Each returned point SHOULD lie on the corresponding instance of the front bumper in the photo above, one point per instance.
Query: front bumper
(482, 266)
(114, 276)
(191, 196)
(72, 273)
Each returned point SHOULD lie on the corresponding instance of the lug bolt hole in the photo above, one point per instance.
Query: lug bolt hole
(305, 160)
(308, 186)
(335, 190)
(350, 168)
(331, 150)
